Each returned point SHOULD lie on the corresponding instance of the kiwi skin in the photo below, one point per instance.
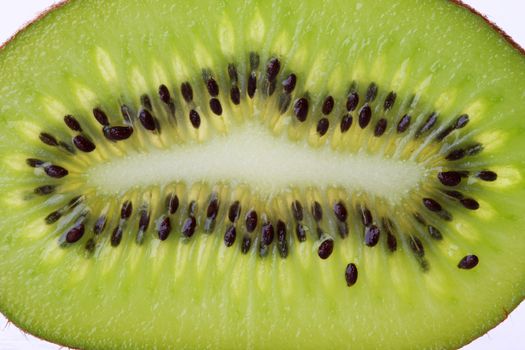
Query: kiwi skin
(457, 2)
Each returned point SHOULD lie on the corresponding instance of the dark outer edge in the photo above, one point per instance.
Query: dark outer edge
(28, 24)
(459, 3)
(493, 25)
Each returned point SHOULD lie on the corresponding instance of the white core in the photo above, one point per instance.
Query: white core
(252, 155)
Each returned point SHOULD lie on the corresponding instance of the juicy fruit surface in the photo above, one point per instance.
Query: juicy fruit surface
(117, 197)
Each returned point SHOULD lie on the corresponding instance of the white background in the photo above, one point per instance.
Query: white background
(506, 13)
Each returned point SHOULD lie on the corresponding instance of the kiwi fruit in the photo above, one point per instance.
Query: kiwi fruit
(261, 174)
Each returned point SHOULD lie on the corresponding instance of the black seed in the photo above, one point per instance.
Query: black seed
(144, 220)
(487, 175)
(186, 91)
(67, 147)
(325, 248)
(48, 139)
(246, 244)
(417, 246)
(431, 204)
(126, 210)
(297, 210)
(213, 209)
(284, 103)
(470, 203)
(195, 119)
(213, 87)
(389, 100)
(172, 107)
(251, 221)
(188, 227)
(322, 126)
(281, 231)
(75, 201)
(372, 234)
(352, 101)
(252, 84)
(434, 233)
(43, 190)
(235, 95)
(461, 121)
(340, 211)
(254, 61)
(456, 154)
(147, 120)
(380, 127)
(272, 69)
(90, 245)
(301, 233)
(431, 121)
(445, 215)
(403, 124)
(474, 149)
(101, 117)
(118, 133)
(300, 109)
(230, 235)
(234, 211)
(371, 92)
(391, 241)
(445, 133)
(164, 228)
(317, 211)
(34, 163)
(419, 218)
(328, 105)
(365, 114)
(83, 144)
(172, 203)
(468, 262)
(100, 224)
(164, 94)
(55, 171)
(145, 101)
(449, 178)
(351, 274)
(366, 216)
(454, 194)
(281, 239)
(116, 236)
(289, 83)
(270, 87)
(53, 217)
(346, 123)
(75, 234)
(72, 123)
(192, 207)
(390, 238)
(215, 106)
(267, 234)
(232, 73)
(342, 227)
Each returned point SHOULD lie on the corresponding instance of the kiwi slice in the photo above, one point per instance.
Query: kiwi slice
(261, 174)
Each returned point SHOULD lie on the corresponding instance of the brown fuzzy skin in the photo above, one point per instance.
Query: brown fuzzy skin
(495, 27)
(28, 24)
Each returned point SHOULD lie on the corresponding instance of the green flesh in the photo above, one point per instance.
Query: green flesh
(196, 292)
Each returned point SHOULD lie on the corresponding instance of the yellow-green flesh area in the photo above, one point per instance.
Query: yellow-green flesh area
(401, 229)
